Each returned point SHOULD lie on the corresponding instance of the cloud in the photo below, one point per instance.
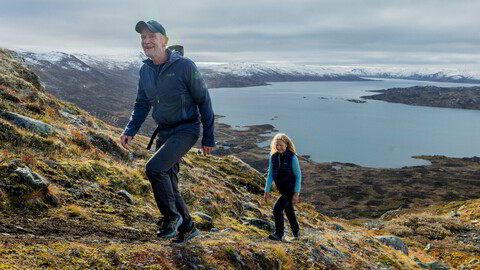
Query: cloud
(347, 31)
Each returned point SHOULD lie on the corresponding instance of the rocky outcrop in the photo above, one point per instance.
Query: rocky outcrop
(127, 196)
(204, 221)
(32, 178)
(33, 125)
(260, 223)
(393, 241)
(431, 265)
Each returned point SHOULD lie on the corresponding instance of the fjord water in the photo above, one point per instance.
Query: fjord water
(324, 125)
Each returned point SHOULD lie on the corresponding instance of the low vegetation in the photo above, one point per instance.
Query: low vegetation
(75, 214)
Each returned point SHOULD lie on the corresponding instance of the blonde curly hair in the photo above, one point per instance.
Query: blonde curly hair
(285, 139)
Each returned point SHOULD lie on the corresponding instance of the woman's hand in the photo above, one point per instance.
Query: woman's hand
(267, 196)
(296, 198)
(207, 150)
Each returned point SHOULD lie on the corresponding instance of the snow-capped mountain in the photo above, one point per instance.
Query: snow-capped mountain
(113, 62)
(285, 72)
(255, 71)
(420, 74)
(224, 74)
(106, 85)
(258, 69)
(105, 88)
(58, 59)
(59, 70)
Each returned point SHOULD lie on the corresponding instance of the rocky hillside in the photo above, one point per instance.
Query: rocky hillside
(70, 197)
(432, 96)
(352, 191)
(101, 88)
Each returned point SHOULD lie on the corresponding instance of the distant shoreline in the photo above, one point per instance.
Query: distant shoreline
(230, 81)
(353, 191)
(432, 96)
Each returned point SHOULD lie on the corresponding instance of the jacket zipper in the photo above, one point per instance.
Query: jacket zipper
(184, 113)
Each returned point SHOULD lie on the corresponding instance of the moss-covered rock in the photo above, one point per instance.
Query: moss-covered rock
(25, 188)
(32, 178)
(28, 123)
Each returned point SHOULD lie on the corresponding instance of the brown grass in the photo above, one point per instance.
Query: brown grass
(54, 190)
(77, 211)
(80, 139)
(35, 199)
(280, 253)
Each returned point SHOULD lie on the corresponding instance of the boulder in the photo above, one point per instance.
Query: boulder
(259, 223)
(203, 221)
(67, 113)
(33, 125)
(32, 178)
(393, 241)
(250, 206)
(431, 265)
(236, 258)
(128, 197)
(389, 214)
(453, 214)
(337, 227)
(204, 216)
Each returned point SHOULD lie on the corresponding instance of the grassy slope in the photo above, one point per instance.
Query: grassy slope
(352, 191)
(82, 222)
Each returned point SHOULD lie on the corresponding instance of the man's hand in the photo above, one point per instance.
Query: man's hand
(296, 198)
(124, 140)
(207, 150)
(267, 196)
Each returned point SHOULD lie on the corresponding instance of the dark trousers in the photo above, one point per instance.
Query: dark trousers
(284, 203)
(163, 167)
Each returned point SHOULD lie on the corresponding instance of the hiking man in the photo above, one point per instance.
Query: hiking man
(173, 86)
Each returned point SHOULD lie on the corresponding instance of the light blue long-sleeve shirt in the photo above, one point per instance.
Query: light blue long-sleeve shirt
(296, 172)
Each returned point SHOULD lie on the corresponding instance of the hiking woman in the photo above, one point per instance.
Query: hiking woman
(284, 169)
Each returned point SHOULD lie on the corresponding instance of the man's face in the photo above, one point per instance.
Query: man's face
(153, 44)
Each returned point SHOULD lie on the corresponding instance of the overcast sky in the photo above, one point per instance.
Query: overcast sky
(334, 32)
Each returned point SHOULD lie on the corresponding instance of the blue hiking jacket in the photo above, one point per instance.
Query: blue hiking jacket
(178, 94)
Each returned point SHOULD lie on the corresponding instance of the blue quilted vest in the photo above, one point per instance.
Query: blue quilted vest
(282, 172)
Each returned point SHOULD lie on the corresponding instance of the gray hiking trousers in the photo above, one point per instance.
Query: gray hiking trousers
(163, 167)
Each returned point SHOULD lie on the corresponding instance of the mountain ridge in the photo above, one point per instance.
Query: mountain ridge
(71, 197)
(312, 72)
(114, 78)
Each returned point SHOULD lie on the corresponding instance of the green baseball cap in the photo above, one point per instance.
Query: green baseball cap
(152, 25)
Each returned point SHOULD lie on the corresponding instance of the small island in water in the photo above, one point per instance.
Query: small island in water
(432, 96)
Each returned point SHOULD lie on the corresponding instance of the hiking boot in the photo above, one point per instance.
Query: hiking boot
(296, 234)
(169, 227)
(184, 236)
(275, 237)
